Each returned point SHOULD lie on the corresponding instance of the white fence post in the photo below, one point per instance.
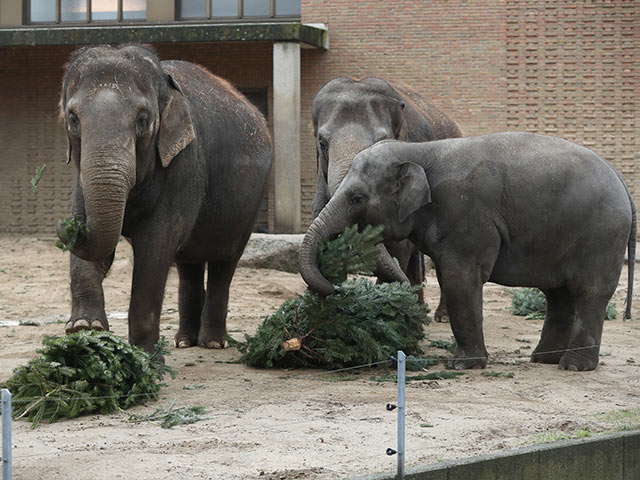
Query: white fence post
(401, 413)
(6, 434)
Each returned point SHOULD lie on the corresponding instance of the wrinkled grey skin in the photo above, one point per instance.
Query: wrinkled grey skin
(174, 159)
(350, 115)
(513, 208)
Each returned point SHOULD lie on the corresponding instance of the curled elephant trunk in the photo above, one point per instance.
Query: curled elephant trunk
(106, 178)
(333, 219)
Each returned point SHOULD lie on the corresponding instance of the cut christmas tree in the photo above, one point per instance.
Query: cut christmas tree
(361, 323)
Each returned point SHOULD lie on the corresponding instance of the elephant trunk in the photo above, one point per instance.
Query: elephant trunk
(107, 174)
(331, 221)
(387, 269)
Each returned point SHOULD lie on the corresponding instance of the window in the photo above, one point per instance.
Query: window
(84, 11)
(235, 9)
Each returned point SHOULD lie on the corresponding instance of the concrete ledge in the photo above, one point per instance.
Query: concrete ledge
(311, 35)
(277, 252)
(607, 457)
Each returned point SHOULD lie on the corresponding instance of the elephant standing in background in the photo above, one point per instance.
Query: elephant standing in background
(350, 115)
(176, 160)
(513, 208)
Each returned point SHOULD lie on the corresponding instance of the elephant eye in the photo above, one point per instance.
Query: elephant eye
(324, 146)
(142, 124)
(358, 199)
(73, 123)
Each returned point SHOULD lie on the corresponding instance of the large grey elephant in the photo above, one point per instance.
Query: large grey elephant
(350, 115)
(176, 160)
(512, 208)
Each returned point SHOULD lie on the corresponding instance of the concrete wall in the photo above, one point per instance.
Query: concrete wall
(607, 457)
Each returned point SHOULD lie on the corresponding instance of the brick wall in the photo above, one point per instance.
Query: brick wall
(571, 72)
(30, 136)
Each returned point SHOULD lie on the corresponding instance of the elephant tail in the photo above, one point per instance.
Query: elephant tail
(631, 246)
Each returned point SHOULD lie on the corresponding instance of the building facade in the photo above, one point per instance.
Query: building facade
(563, 68)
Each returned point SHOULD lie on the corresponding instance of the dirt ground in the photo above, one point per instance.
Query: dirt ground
(276, 424)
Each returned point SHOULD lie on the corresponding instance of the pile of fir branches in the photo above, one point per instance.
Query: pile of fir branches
(361, 323)
(85, 372)
(532, 304)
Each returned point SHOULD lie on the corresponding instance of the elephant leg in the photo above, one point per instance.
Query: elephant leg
(463, 289)
(150, 270)
(558, 324)
(87, 296)
(213, 324)
(441, 314)
(584, 346)
(191, 302)
(415, 271)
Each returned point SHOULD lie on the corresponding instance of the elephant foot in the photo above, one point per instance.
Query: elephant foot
(214, 344)
(543, 354)
(441, 316)
(580, 360)
(464, 361)
(76, 324)
(184, 341)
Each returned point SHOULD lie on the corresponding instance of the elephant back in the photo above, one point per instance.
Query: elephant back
(425, 122)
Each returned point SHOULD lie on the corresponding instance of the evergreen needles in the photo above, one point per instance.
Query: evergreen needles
(532, 304)
(83, 373)
(172, 416)
(352, 252)
(74, 228)
(360, 324)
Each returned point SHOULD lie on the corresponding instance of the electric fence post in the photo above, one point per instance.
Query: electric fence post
(401, 361)
(6, 434)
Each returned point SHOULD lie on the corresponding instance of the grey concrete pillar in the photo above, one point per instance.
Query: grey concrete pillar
(286, 136)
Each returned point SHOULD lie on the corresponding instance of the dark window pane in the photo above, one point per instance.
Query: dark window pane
(254, 8)
(193, 9)
(287, 7)
(134, 9)
(224, 8)
(104, 10)
(73, 10)
(43, 11)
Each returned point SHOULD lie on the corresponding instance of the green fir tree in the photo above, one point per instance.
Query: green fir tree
(85, 372)
(361, 323)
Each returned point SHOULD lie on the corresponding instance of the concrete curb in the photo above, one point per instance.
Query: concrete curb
(606, 457)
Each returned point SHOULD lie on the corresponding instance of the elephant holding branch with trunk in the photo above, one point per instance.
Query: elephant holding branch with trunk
(350, 115)
(512, 208)
(176, 160)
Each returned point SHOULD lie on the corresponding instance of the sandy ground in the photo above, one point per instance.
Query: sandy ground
(280, 424)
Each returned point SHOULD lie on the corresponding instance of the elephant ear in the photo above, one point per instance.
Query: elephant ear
(176, 128)
(411, 189)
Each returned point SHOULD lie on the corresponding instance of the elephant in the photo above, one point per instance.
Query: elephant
(349, 115)
(517, 209)
(174, 159)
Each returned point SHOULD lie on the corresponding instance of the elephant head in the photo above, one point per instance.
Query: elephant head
(125, 119)
(349, 116)
(378, 190)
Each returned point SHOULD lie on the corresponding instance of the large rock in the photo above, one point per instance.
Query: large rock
(278, 252)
